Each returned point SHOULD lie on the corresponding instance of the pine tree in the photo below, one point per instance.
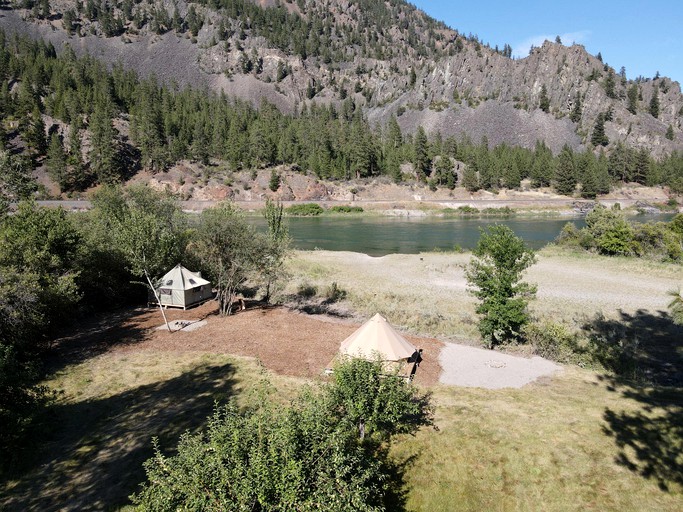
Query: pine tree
(599, 138)
(642, 167)
(670, 133)
(586, 167)
(421, 158)
(565, 172)
(544, 101)
(469, 179)
(575, 115)
(632, 95)
(654, 103)
(609, 85)
(56, 160)
(542, 168)
(35, 136)
(104, 157)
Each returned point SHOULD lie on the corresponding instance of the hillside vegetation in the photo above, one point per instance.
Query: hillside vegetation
(389, 57)
(86, 125)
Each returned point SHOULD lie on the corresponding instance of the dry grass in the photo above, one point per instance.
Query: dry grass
(111, 406)
(427, 293)
(546, 447)
(577, 441)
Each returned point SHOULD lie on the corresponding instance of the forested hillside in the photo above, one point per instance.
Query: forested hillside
(87, 125)
(392, 59)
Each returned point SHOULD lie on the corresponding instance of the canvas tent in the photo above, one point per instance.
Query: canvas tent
(181, 288)
(377, 337)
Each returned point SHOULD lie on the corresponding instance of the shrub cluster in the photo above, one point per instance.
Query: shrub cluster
(346, 209)
(326, 451)
(304, 210)
(608, 232)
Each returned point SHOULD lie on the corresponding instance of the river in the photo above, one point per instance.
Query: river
(378, 236)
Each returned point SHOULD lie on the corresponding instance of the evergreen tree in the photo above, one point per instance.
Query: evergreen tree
(565, 172)
(421, 157)
(542, 167)
(599, 138)
(575, 115)
(56, 160)
(632, 95)
(200, 142)
(654, 103)
(544, 101)
(586, 167)
(603, 179)
(609, 85)
(104, 157)
(642, 167)
(35, 135)
(670, 133)
(469, 179)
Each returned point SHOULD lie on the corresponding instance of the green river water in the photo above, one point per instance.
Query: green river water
(378, 236)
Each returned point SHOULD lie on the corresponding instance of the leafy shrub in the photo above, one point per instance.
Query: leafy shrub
(346, 209)
(304, 210)
(505, 211)
(557, 342)
(468, 210)
(333, 293)
(307, 291)
(325, 451)
(613, 235)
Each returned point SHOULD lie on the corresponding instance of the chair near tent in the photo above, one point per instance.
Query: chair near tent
(377, 339)
(182, 288)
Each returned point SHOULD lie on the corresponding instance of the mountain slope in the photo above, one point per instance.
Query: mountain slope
(390, 57)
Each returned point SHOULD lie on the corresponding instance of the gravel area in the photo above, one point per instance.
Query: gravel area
(479, 368)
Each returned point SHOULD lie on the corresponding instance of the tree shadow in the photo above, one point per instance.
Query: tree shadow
(644, 355)
(97, 335)
(642, 346)
(93, 458)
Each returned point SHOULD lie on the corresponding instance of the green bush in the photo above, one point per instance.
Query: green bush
(505, 211)
(325, 451)
(306, 290)
(557, 342)
(468, 210)
(304, 210)
(346, 209)
(333, 293)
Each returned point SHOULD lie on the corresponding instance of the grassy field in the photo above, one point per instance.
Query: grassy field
(548, 446)
(578, 441)
(427, 293)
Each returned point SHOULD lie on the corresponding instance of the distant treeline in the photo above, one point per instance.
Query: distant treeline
(105, 125)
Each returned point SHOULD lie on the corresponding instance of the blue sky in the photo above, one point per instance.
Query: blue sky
(645, 37)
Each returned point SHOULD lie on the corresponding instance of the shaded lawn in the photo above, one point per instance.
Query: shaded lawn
(103, 425)
(548, 446)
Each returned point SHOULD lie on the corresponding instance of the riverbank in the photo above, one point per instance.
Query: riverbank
(426, 294)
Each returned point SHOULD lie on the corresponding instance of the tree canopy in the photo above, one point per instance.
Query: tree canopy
(494, 275)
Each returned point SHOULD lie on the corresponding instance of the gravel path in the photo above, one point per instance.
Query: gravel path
(478, 368)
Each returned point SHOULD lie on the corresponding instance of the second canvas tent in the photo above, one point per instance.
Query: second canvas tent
(377, 338)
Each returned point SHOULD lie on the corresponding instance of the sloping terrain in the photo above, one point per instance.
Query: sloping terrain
(389, 57)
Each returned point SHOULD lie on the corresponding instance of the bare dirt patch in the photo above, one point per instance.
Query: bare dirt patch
(285, 341)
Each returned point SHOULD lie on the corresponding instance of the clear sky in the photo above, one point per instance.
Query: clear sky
(643, 36)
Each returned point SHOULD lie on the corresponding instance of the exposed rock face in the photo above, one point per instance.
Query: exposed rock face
(461, 87)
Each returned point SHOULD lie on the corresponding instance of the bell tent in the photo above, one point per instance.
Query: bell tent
(377, 338)
(182, 288)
